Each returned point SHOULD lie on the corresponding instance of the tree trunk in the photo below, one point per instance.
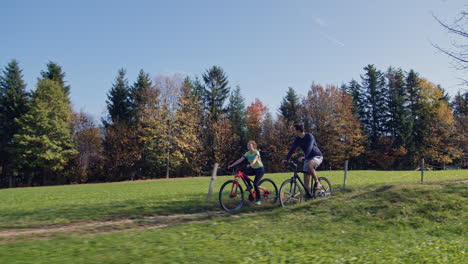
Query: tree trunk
(4, 172)
(167, 166)
(30, 176)
(10, 181)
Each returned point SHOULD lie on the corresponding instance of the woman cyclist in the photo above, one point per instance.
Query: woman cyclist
(255, 166)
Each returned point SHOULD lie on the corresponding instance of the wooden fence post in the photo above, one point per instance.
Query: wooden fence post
(345, 173)
(422, 170)
(212, 182)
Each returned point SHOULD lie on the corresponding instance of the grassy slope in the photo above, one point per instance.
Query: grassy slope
(376, 224)
(35, 207)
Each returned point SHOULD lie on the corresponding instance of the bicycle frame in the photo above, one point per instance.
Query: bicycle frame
(247, 181)
(296, 177)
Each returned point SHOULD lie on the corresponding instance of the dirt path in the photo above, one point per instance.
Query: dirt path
(152, 222)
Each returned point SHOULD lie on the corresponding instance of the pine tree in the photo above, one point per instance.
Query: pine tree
(13, 105)
(216, 91)
(376, 106)
(289, 107)
(398, 113)
(118, 101)
(44, 141)
(54, 72)
(121, 147)
(354, 89)
(236, 113)
(139, 90)
(415, 126)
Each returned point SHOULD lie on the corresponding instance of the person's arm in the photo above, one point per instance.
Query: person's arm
(291, 151)
(254, 160)
(237, 162)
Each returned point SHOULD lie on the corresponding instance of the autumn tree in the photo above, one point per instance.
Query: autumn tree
(255, 114)
(187, 130)
(460, 110)
(86, 165)
(330, 114)
(438, 145)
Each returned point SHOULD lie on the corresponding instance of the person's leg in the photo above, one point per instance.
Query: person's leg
(258, 176)
(307, 181)
(249, 172)
(311, 166)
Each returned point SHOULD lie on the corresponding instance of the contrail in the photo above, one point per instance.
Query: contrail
(332, 39)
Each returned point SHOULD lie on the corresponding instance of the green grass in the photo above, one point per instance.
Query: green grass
(391, 223)
(45, 206)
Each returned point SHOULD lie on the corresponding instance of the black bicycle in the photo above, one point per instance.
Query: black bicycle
(293, 190)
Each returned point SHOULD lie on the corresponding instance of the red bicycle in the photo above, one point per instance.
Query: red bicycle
(231, 194)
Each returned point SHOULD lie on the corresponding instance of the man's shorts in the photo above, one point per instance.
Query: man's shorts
(317, 160)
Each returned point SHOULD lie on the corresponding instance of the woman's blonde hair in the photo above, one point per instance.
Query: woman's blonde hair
(254, 144)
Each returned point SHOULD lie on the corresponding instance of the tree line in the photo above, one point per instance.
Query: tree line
(176, 126)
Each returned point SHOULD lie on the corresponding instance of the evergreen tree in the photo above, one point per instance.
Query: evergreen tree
(354, 89)
(44, 141)
(121, 146)
(398, 113)
(237, 115)
(139, 90)
(13, 105)
(118, 101)
(376, 106)
(289, 107)
(216, 91)
(415, 126)
(54, 72)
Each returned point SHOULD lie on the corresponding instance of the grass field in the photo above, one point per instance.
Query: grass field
(383, 217)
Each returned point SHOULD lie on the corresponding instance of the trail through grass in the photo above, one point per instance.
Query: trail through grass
(59, 205)
(391, 223)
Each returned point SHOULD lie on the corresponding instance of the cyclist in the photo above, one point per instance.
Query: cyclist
(255, 166)
(312, 154)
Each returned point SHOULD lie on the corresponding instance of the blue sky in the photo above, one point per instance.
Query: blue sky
(263, 46)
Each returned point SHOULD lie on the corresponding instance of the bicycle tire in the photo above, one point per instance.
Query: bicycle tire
(229, 201)
(290, 193)
(272, 196)
(326, 189)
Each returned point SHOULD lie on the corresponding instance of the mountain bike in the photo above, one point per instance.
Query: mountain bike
(293, 190)
(231, 194)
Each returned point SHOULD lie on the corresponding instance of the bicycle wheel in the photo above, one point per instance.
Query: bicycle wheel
(231, 196)
(290, 193)
(268, 191)
(326, 189)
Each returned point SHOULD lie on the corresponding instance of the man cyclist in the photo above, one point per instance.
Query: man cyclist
(312, 154)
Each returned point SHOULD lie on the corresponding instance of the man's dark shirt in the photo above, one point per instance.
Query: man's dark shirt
(307, 144)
